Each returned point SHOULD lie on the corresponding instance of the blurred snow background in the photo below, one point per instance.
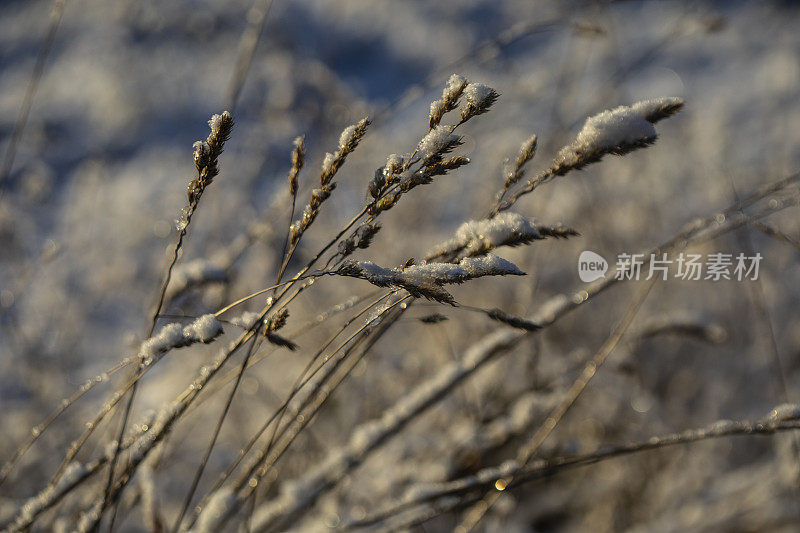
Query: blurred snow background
(87, 219)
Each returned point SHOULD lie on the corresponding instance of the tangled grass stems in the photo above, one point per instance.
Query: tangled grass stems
(306, 375)
(696, 231)
(259, 292)
(313, 407)
(486, 479)
(526, 452)
(268, 456)
(428, 393)
(763, 315)
(65, 404)
(397, 177)
(206, 155)
(314, 401)
(300, 382)
(201, 467)
(348, 142)
(162, 426)
(52, 497)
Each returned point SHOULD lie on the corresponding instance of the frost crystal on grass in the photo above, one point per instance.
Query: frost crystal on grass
(204, 329)
(455, 85)
(394, 164)
(33, 506)
(426, 279)
(216, 122)
(437, 141)
(170, 336)
(327, 163)
(479, 98)
(489, 265)
(375, 274)
(449, 101)
(440, 273)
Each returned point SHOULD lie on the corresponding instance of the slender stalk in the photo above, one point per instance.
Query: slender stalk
(30, 93)
(486, 478)
(526, 452)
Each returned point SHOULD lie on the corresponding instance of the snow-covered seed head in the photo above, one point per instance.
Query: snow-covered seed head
(298, 158)
(348, 141)
(328, 163)
(278, 320)
(617, 131)
(479, 98)
(489, 265)
(477, 237)
(387, 175)
(361, 238)
(437, 111)
(206, 154)
(658, 109)
(426, 279)
(394, 164)
(449, 101)
(438, 141)
(218, 123)
(204, 329)
(515, 172)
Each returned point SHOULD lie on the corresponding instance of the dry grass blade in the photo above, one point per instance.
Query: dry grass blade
(30, 92)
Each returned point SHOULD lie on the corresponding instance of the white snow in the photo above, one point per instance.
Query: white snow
(436, 272)
(216, 122)
(453, 84)
(489, 265)
(504, 228)
(477, 93)
(203, 329)
(327, 163)
(620, 127)
(436, 140)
